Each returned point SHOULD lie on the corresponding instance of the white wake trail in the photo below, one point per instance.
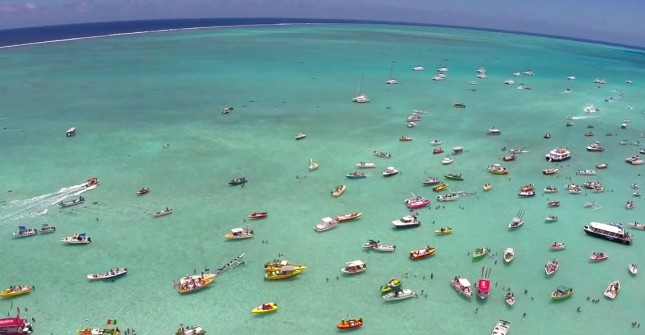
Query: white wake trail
(29, 208)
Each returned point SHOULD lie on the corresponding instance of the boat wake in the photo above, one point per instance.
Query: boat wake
(30, 208)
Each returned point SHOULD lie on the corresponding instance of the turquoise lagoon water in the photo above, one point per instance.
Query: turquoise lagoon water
(130, 96)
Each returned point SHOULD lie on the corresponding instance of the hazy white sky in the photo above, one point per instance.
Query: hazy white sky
(618, 21)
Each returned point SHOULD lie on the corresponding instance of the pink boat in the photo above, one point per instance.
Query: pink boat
(558, 246)
(417, 202)
(598, 257)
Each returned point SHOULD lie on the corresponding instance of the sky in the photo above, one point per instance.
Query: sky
(615, 21)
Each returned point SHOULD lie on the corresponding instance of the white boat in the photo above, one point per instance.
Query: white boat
(558, 155)
(517, 221)
(435, 142)
(551, 218)
(550, 171)
(325, 224)
(390, 171)
(458, 150)
(25, 232)
(439, 77)
(595, 147)
(509, 298)
(551, 267)
(164, 212)
(313, 165)
(447, 160)
(240, 233)
(493, 131)
(452, 196)
(191, 330)
(590, 109)
(365, 165)
(586, 172)
(571, 78)
(77, 239)
(442, 69)
(354, 267)
(409, 221)
(462, 286)
(418, 68)
(633, 269)
(509, 82)
(413, 118)
(550, 189)
(612, 290)
(391, 80)
(108, 275)
(528, 73)
(630, 205)
(300, 136)
(411, 125)
(74, 202)
(501, 328)
(526, 194)
(362, 98)
(517, 74)
(403, 294)
(378, 246)
(634, 160)
(509, 254)
(382, 154)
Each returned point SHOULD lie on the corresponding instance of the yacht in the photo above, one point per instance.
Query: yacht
(610, 232)
(361, 99)
(558, 155)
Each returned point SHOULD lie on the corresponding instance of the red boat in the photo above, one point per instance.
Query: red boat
(350, 323)
(554, 203)
(598, 257)
(92, 181)
(483, 285)
(509, 158)
(258, 215)
(417, 202)
(143, 191)
(15, 326)
(437, 151)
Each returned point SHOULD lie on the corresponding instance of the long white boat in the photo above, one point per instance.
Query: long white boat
(612, 290)
(190, 330)
(403, 294)
(501, 328)
(376, 245)
(77, 239)
(326, 224)
(409, 221)
(365, 165)
(354, 267)
(610, 232)
(164, 212)
(462, 286)
(108, 275)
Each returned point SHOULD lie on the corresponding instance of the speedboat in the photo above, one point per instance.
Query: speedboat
(502, 327)
(74, 202)
(25, 232)
(553, 204)
(509, 82)
(562, 292)
(348, 217)
(509, 158)
(550, 171)
(435, 142)
(526, 194)
(80, 238)
(350, 323)
(362, 98)
(571, 78)
(431, 181)
(493, 131)
(238, 181)
(356, 175)
(325, 224)
(45, 229)
(586, 172)
(633, 269)
(422, 253)
(458, 150)
(437, 151)
(118, 272)
(376, 245)
(462, 286)
(409, 221)
(265, 308)
(509, 254)
(284, 272)
(517, 221)
(601, 165)
(440, 187)
(634, 160)
(598, 257)
(551, 218)
(418, 68)
(92, 181)
(354, 267)
(595, 147)
(405, 139)
(258, 215)
(338, 190)
(509, 298)
(612, 290)
(452, 196)
(447, 160)
(240, 233)
(276, 265)
(143, 191)
(382, 154)
(163, 212)
(399, 295)
(365, 165)
(390, 171)
(416, 202)
(551, 267)
(558, 246)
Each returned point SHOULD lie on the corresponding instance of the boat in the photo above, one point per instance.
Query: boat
(313, 165)
(443, 231)
(354, 267)
(405, 139)
(435, 142)
(348, 217)
(527, 187)
(238, 181)
(526, 194)
(190, 284)
(410, 221)
(99, 331)
(378, 246)
(451, 196)
(633, 269)
(143, 191)
(553, 204)
(112, 274)
(71, 132)
(361, 98)
(550, 171)
(559, 154)
(589, 133)
(45, 229)
(350, 323)
(562, 292)
(509, 298)
(487, 187)
(462, 286)
(14, 291)
(447, 160)
(634, 160)
(276, 265)
(458, 104)
(284, 272)
(575, 190)
(258, 215)
(480, 252)
(595, 147)
(454, 176)
(391, 80)
(502, 327)
(601, 166)
(636, 225)
(458, 150)
(240, 233)
(227, 110)
(365, 165)
(74, 202)
(551, 218)
(547, 135)
(598, 257)
(497, 169)
(411, 124)
(163, 212)
(437, 151)
(610, 232)
(509, 158)
(390, 171)
(355, 175)
(25, 232)
(515, 151)
(493, 131)
(325, 224)
(382, 154)
(80, 238)
(190, 330)
(440, 187)
(483, 284)
(558, 246)
(431, 181)
(629, 205)
(399, 295)
(586, 172)
(338, 191)
(516, 221)
(92, 181)
(418, 68)
(422, 253)
(416, 202)
(551, 267)
(15, 326)
(509, 255)
(612, 290)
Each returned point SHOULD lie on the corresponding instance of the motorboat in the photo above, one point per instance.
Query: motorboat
(325, 224)
(338, 190)
(268, 307)
(590, 185)
(527, 187)
(238, 181)
(558, 246)
(80, 238)
(447, 160)
(454, 176)
(633, 269)
(509, 158)
(550, 189)
(509, 255)
(240, 233)
(595, 147)
(422, 253)
(282, 273)
(418, 68)
(586, 172)
(516, 221)
(516, 151)
(598, 257)
(92, 182)
(550, 171)
(350, 323)
(71, 132)
(571, 78)
(227, 110)
(551, 267)
(497, 169)
(356, 175)
(378, 246)
(551, 218)
(559, 154)
(99, 330)
(143, 190)
(365, 165)
(487, 187)
(509, 298)
(391, 285)
(15, 290)
(509, 82)
(437, 151)
(526, 194)
(452, 196)
(547, 135)
(382, 154)
(405, 139)
(493, 131)
(435, 142)
(431, 181)
(399, 295)
(575, 190)
(112, 274)
(528, 73)
(411, 124)
(502, 327)
(440, 187)
(390, 171)
(192, 284)
(348, 217)
(413, 118)
(457, 150)
(601, 165)
(636, 225)
(629, 204)
(610, 232)
(354, 267)
(409, 221)
(416, 202)
(15, 326)
(458, 105)
(258, 215)
(74, 202)
(443, 231)
(562, 292)
(439, 77)
(480, 252)
(276, 265)
(188, 330)
(25, 232)
(483, 284)
(362, 98)
(462, 286)
(46, 229)
(163, 212)
(313, 165)
(634, 160)
(553, 204)
(612, 290)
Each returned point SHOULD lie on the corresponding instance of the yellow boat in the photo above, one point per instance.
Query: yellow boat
(265, 308)
(277, 265)
(284, 273)
(338, 191)
(15, 291)
(443, 231)
(194, 283)
(440, 187)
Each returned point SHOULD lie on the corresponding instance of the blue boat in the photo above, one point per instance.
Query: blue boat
(356, 175)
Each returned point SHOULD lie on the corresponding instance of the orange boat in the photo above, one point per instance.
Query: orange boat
(526, 188)
(350, 323)
(437, 151)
